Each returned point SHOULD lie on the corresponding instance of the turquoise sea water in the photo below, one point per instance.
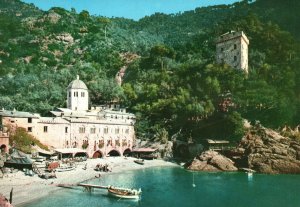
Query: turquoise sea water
(172, 187)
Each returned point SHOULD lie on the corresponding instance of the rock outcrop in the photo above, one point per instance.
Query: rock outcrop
(165, 150)
(65, 38)
(266, 151)
(53, 17)
(186, 150)
(211, 161)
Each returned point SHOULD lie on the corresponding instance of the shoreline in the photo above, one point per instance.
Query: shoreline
(28, 189)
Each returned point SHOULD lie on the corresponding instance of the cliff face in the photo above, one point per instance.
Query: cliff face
(263, 150)
(266, 151)
(211, 161)
(164, 149)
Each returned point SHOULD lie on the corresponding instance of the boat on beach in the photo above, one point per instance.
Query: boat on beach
(139, 161)
(124, 192)
(38, 159)
(64, 168)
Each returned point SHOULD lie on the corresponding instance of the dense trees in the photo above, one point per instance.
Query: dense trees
(175, 87)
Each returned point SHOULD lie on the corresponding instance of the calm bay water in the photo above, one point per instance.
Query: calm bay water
(172, 187)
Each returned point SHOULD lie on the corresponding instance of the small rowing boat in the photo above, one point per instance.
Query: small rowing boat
(141, 162)
(124, 192)
(65, 168)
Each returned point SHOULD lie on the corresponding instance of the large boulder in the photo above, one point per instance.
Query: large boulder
(266, 151)
(211, 161)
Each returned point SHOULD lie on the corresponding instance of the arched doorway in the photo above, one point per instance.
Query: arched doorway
(3, 147)
(98, 154)
(127, 152)
(182, 151)
(114, 153)
(80, 154)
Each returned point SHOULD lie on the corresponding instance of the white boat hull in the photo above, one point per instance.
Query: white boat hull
(64, 169)
(119, 195)
(124, 196)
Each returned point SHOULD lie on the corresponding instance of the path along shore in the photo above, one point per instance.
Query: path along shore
(27, 189)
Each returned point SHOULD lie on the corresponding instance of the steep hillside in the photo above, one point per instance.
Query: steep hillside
(174, 85)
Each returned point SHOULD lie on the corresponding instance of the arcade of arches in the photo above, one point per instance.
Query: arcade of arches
(111, 153)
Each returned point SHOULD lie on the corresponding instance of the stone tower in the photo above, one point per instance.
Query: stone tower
(78, 96)
(232, 49)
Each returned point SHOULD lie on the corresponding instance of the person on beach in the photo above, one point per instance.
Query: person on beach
(85, 166)
(2, 160)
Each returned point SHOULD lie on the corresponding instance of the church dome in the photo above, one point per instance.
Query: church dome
(77, 84)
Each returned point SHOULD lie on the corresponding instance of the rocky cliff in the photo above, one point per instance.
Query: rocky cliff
(261, 149)
(211, 161)
(266, 151)
(165, 150)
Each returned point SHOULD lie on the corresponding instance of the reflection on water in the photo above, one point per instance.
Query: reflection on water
(174, 187)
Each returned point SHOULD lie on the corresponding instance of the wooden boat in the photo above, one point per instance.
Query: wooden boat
(248, 170)
(65, 168)
(113, 191)
(141, 162)
(124, 192)
(38, 159)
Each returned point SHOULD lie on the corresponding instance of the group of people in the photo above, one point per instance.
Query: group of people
(3, 158)
(103, 168)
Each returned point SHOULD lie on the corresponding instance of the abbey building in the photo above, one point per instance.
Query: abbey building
(100, 131)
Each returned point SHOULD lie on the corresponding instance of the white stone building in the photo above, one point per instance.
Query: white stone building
(101, 131)
(232, 49)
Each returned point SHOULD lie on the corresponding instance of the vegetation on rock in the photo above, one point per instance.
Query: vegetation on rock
(23, 141)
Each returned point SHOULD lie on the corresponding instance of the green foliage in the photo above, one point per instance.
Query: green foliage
(24, 141)
(291, 134)
(175, 85)
(84, 15)
(161, 135)
(85, 145)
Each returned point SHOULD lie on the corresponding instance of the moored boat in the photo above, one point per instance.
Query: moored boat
(124, 192)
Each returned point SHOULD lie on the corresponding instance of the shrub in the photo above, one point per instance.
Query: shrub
(85, 145)
(23, 141)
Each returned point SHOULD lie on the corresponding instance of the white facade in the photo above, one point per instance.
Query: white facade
(232, 49)
(99, 130)
(77, 96)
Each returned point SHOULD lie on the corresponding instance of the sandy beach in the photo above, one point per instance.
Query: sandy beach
(27, 189)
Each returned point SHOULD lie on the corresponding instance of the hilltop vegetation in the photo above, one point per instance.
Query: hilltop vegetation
(175, 87)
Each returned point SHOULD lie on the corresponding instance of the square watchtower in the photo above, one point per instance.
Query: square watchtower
(232, 49)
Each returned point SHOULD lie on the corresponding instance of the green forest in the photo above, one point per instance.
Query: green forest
(172, 82)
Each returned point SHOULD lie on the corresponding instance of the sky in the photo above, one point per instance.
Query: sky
(133, 9)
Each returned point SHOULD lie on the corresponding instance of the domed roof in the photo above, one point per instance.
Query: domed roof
(77, 84)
